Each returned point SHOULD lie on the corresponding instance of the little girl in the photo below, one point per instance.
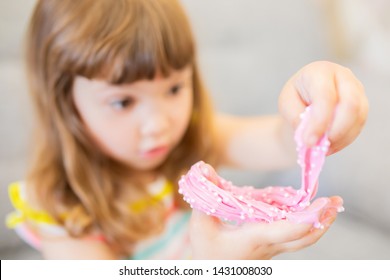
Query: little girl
(122, 113)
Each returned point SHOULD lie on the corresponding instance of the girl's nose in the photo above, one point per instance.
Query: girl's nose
(154, 124)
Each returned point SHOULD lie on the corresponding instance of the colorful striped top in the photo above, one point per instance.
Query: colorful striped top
(172, 243)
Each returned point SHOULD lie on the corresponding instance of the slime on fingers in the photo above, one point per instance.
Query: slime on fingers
(204, 190)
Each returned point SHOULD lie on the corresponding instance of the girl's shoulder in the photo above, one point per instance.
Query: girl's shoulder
(24, 208)
(27, 210)
(35, 226)
(27, 219)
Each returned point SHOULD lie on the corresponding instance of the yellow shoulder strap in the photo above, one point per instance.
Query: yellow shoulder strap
(140, 205)
(23, 209)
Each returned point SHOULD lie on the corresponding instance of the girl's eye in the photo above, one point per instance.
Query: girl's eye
(122, 103)
(175, 89)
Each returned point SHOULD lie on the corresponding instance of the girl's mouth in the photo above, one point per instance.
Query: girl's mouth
(155, 152)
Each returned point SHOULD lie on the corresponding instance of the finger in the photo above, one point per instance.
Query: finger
(351, 112)
(312, 237)
(304, 89)
(211, 175)
(297, 225)
(275, 232)
(301, 225)
(340, 137)
(291, 104)
(335, 201)
(323, 95)
(310, 214)
(345, 139)
(327, 218)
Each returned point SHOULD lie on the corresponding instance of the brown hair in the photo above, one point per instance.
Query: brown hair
(122, 41)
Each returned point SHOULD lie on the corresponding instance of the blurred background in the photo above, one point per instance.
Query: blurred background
(247, 50)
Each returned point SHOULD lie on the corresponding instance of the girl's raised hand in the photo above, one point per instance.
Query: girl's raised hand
(337, 98)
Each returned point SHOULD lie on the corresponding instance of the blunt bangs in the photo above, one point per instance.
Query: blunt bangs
(123, 47)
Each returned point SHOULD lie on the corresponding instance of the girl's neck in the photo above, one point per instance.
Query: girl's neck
(145, 177)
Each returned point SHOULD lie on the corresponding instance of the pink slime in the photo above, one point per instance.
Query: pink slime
(204, 190)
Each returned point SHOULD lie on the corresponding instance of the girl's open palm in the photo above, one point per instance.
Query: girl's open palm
(212, 239)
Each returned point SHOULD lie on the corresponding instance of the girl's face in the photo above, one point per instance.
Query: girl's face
(140, 123)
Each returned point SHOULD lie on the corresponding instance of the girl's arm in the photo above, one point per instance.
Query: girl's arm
(260, 143)
(67, 248)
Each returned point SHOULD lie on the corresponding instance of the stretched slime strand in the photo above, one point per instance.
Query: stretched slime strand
(206, 191)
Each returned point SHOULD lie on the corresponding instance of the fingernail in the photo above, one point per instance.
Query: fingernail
(328, 221)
